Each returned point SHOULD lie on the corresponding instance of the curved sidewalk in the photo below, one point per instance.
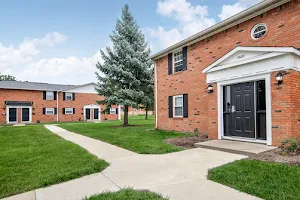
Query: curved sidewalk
(180, 175)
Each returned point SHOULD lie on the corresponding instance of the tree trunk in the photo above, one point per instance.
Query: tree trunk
(146, 114)
(125, 123)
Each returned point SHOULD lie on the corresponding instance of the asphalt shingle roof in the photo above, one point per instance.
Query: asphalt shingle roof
(33, 86)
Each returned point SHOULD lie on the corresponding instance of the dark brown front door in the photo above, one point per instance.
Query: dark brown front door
(242, 110)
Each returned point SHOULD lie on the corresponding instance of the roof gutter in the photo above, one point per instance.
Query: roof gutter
(245, 15)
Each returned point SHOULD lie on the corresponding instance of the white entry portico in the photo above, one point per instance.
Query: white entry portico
(241, 76)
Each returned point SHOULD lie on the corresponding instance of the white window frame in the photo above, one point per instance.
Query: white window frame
(69, 111)
(174, 62)
(51, 96)
(255, 27)
(50, 110)
(112, 111)
(174, 97)
(69, 94)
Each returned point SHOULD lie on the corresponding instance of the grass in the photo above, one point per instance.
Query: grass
(262, 179)
(129, 194)
(32, 157)
(141, 138)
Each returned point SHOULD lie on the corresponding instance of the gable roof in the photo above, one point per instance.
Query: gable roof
(250, 48)
(78, 86)
(20, 85)
(243, 16)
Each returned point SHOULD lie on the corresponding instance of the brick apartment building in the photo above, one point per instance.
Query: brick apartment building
(28, 102)
(237, 80)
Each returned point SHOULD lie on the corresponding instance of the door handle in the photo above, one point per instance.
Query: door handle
(233, 109)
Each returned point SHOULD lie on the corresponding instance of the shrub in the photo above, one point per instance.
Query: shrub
(290, 146)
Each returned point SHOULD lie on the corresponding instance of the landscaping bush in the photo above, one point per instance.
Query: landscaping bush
(290, 146)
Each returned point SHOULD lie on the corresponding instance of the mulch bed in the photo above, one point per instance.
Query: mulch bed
(276, 156)
(187, 142)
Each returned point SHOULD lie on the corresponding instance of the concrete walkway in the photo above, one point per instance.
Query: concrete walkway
(180, 175)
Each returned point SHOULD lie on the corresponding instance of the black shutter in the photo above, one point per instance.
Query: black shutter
(55, 111)
(73, 110)
(64, 96)
(185, 106)
(73, 98)
(116, 110)
(44, 111)
(44, 95)
(170, 106)
(170, 63)
(55, 94)
(184, 57)
(63, 111)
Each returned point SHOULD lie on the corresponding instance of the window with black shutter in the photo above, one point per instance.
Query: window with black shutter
(177, 61)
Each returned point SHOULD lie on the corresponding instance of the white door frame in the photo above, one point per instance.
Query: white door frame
(220, 84)
(92, 107)
(7, 114)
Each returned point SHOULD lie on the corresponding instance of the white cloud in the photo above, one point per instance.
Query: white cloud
(21, 61)
(70, 70)
(191, 19)
(164, 38)
(11, 56)
(230, 10)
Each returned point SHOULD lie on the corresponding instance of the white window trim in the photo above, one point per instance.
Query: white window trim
(50, 110)
(114, 111)
(69, 96)
(173, 57)
(255, 27)
(52, 98)
(177, 106)
(70, 109)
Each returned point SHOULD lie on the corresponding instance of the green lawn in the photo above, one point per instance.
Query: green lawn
(32, 157)
(129, 194)
(141, 138)
(261, 179)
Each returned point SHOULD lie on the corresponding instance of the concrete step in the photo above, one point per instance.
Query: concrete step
(237, 147)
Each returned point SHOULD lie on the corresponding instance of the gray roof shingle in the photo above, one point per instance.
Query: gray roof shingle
(33, 86)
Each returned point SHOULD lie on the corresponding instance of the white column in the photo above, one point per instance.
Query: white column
(119, 112)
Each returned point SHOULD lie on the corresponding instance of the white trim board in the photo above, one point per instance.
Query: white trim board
(251, 61)
(264, 50)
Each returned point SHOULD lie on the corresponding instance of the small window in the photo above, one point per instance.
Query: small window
(258, 31)
(50, 111)
(69, 96)
(49, 95)
(112, 111)
(69, 111)
(178, 106)
(178, 61)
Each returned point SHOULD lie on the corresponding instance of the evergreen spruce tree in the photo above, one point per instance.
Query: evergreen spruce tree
(126, 66)
(147, 102)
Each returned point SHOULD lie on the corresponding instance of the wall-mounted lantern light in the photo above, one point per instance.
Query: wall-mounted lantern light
(210, 89)
(279, 78)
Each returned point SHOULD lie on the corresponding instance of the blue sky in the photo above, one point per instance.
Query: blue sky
(58, 41)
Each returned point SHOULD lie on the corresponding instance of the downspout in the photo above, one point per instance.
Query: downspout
(156, 81)
(119, 112)
(57, 110)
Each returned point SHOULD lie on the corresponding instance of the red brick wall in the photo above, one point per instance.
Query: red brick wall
(286, 107)
(81, 99)
(283, 30)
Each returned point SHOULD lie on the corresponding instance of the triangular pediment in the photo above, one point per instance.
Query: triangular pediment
(242, 55)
